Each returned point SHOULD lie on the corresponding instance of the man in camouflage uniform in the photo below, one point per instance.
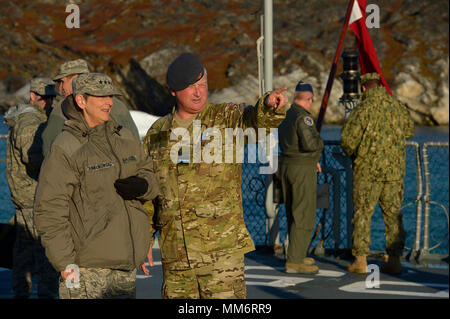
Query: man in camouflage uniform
(68, 71)
(88, 207)
(202, 236)
(374, 136)
(23, 162)
(301, 146)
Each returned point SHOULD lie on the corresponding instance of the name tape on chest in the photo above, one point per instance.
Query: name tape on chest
(100, 166)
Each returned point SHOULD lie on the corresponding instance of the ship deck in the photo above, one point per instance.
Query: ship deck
(266, 279)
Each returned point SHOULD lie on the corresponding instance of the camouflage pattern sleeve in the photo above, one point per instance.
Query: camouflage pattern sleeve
(29, 142)
(243, 116)
(150, 210)
(151, 142)
(262, 115)
(352, 131)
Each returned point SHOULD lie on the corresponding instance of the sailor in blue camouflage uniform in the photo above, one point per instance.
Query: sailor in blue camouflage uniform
(374, 137)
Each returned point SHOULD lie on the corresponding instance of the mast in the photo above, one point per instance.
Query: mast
(333, 70)
(268, 45)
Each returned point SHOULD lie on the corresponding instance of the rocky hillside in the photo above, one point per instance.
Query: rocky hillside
(134, 41)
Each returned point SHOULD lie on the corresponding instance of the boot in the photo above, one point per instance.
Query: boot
(292, 268)
(359, 266)
(393, 266)
(308, 261)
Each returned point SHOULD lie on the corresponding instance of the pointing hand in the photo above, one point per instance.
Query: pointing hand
(277, 98)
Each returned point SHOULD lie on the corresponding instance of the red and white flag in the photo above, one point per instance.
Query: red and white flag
(367, 55)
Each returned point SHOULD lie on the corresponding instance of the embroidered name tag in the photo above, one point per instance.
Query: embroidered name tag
(132, 158)
(97, 167)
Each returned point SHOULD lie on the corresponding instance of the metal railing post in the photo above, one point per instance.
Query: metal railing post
(418, 201)
(268, 45)
(426, 227)
(346, 162)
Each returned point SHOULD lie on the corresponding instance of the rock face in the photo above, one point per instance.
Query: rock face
(134, 42)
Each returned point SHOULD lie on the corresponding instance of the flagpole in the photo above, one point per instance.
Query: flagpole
(333, 70)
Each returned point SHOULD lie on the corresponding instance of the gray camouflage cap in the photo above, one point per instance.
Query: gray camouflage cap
(43, 86)
(97, 84)
(72, 67)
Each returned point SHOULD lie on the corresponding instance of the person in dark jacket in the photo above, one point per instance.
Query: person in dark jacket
(88, 206)
(301, 146)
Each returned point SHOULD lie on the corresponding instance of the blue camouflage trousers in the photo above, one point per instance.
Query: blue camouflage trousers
(365, 197)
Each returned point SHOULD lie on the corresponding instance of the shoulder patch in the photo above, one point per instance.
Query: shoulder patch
(308, 121)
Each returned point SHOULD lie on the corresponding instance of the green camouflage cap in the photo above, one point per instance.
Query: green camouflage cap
(369, 76)
(97, 84)
(72, 67)
(43, 86)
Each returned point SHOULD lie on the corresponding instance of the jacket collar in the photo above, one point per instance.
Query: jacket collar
(374, 92)
(300, 107)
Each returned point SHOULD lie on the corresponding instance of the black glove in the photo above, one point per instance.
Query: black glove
(131, 187)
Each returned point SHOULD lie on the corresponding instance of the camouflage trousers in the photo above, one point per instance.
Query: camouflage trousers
(100, 283)
(223, 279)
(365, 197)
(29, 260)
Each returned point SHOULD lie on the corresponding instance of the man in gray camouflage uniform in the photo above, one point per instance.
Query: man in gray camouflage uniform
(374, 136)
(23, 162)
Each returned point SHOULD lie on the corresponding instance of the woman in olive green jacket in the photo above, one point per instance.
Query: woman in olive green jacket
(88, 207)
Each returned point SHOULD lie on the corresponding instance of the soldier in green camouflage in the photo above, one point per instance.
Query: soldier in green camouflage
(374, 137)
(69, 71)
(202, 234)
(23, 162)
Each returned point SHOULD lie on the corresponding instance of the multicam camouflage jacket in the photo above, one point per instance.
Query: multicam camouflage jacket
(200, 215)
(24, 152)
(375, 135)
